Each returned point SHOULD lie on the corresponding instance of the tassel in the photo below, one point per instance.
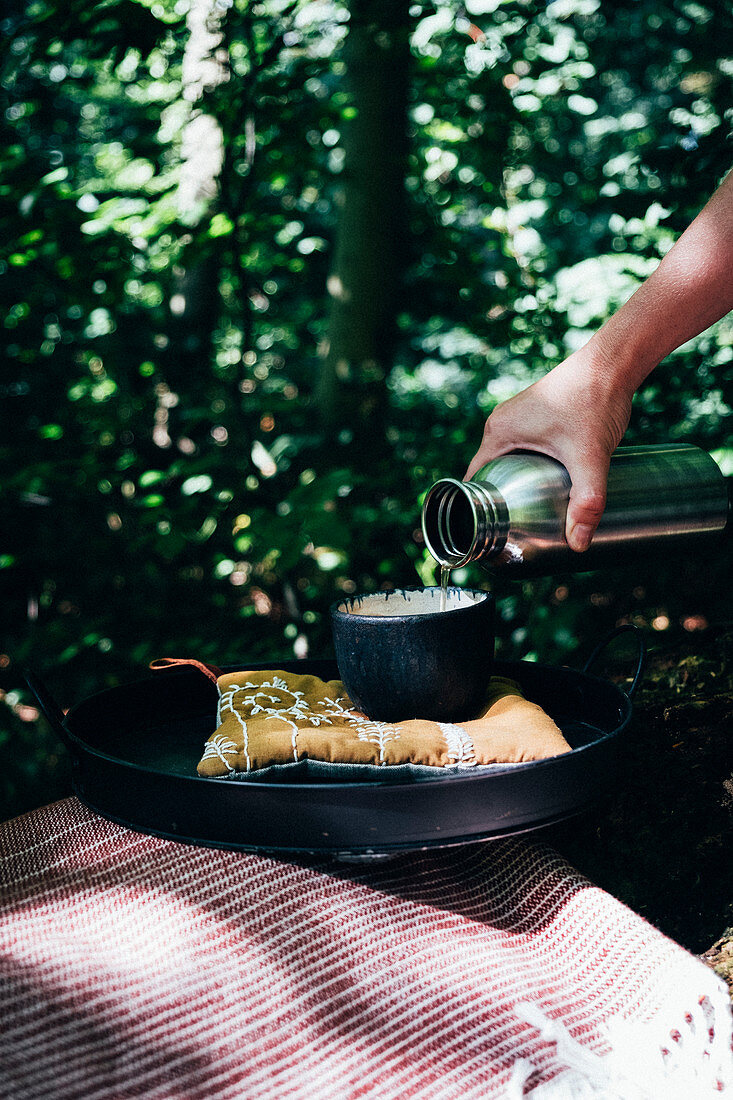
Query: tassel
(644, 1063)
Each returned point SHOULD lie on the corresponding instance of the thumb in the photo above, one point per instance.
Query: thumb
(587, 501)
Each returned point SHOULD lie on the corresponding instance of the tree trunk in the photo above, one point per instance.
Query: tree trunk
(368, 254)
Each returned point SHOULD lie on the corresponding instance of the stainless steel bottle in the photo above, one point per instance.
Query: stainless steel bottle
(511, 514)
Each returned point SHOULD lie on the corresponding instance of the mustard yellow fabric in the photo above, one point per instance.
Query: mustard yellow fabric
(275, 717)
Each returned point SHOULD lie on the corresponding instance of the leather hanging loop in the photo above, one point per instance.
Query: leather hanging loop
(210, 671)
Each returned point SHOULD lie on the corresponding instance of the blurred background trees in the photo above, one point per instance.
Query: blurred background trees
(265, 269)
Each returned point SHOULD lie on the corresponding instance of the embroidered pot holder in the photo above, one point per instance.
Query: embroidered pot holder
(275, 724)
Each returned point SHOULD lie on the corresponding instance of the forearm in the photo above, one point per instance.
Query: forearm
(578, 412)
(690, 290)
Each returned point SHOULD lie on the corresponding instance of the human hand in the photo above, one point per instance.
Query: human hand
(575, 414)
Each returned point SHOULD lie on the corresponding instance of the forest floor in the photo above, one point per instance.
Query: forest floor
(664, 846)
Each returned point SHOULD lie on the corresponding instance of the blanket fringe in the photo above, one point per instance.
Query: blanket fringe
(644, 1062)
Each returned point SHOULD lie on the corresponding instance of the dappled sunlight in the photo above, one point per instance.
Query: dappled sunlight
(173, 201)
(159, 963)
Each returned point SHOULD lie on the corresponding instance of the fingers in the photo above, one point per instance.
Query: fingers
(586, 505)
(588, 475)
(571, 417)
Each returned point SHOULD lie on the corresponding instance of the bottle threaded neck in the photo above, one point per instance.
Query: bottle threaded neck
(458, 521)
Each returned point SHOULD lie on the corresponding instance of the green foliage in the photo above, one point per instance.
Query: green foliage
(165, 485)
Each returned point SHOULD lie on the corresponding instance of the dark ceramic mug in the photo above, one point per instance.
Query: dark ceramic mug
(401, 656)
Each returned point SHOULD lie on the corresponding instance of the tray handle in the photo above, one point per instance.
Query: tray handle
(50, 709)
(625, 628)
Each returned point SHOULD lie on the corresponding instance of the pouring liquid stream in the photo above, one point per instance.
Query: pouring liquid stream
(444, 579)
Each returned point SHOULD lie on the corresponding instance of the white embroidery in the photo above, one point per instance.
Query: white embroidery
(461, 749)
(274, 699)
(260, 701)
(367, 731)
(220, 747)
(226, 703)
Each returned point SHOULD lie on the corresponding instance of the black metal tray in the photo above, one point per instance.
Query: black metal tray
(135, 748)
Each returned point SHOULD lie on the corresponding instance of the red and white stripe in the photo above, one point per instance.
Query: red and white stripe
(138, 967)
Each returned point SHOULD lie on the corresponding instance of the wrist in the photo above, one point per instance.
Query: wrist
(601, 372)
(616, 365)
